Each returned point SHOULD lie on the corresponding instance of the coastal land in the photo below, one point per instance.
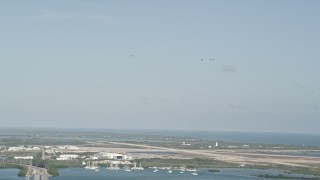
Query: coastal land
(53, 149)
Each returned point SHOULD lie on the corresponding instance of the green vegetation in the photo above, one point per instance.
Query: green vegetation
(52, 170)
(37, 141)
(23, 171)
(305, 171)
(37, 161)
(64, 164)
(281, 176)
(214, 170)
(101, 138)
(189, 163)
(54, 165)
(288, 169)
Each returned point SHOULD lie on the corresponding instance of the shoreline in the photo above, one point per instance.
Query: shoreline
(256, 172)
(187, 163)
(156, 150)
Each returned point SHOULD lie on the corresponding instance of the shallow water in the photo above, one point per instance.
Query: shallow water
(102, 174)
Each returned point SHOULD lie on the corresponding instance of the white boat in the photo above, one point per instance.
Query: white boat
(156, 170)
(93, 166)
(169, 171)
(191, 170)
(195, 173)
(88, 166)
(127, 169)
(182, 169)
(113, 167)
(137, 168)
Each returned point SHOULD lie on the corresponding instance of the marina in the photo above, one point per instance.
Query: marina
(122, 174)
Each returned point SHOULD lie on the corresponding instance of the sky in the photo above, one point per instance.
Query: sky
(146, 65)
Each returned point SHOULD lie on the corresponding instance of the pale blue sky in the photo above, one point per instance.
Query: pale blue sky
(68, 64)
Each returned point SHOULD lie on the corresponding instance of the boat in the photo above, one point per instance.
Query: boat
(182, 169)
(191, 170)
(127, 169)
(116, 167)
(137, 168)
(93, 166)
(195, 173)
(88, 165)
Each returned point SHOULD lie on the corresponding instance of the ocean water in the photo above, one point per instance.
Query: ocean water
(241, 137)
(103, 174)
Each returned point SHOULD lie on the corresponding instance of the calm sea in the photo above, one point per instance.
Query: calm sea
(241, 137)
(103, 174)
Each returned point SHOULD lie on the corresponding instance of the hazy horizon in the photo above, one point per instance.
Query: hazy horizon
(136, 130)
(149, 65)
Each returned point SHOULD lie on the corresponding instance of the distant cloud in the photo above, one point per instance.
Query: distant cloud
(312, 91)
(49, 15)
(229, 69)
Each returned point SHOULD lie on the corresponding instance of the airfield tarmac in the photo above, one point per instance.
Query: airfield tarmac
(241, 157)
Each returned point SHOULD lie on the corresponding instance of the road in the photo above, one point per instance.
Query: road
(37, 173)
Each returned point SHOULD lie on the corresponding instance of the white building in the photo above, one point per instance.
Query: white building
(67, 156)
(115, 156)
(68, 147)
(32, 149)
(23, 157)
(49, 151)
(22, 148)
(19, 148)
(185, 144)
(2, 147)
